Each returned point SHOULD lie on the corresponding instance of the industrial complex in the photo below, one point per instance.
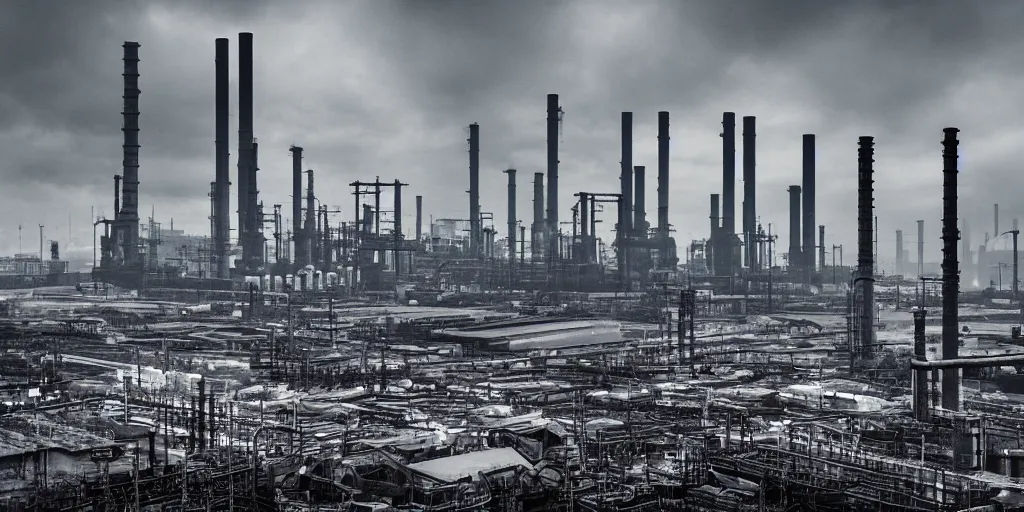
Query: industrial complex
(338, 363)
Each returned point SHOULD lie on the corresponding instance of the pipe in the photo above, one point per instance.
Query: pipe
(244, 140)
(808, 188)
(795, 258)
(300, 258)
(950, 269)
(920, 248)
(222, 176)
(640, 195)
(398, 236)
(749, 190)
(920, 387)
(537, 231)
(554, 113)
(475, 235)
(663, 162)
(511, 216)
(419, 219)
(130, 149)
(865, 261)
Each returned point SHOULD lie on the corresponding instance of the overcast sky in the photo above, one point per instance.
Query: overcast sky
(387, 88)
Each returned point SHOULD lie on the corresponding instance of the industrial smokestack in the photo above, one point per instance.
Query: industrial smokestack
(397, 235)
(475, 234)
(554, 117)
(728, 233)
(222, 175)
(821, 248)
(626, 177)
(711, 258)
(639, 209)
(419, 219)
(129, 217)
(899, 252)
(807, 252)
(865, 261)
(300, 256)
(512, 219)
(309, 237)
(920, 248)
(537, 231)
(245, 209)
(585, 227)
(794, 228)
(663, 153)
(950, 270)
(996, 233)
(749, 190)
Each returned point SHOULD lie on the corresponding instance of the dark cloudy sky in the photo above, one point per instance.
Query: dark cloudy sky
(386, 88)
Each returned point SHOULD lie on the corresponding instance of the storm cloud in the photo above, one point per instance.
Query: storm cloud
(387, 88)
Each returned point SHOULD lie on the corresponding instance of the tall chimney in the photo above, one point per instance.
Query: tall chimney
(663, 153)
(475, 234)
(255, 216)
(626, 177)
(821, 247)
(309, 237)
(749, 190)
(554, 112)
(222, 175)
(920, 248)
(712, 259)
(300, 257)
(865, 262)
(585, 227)
(397, 235)
(640, 194)
(794, 228)
(807, 253)
(537, 231)
(950, 271)
(728, 233)
(899, 252)
(419, 219)
(130, 189)
(920, 385)
(245, 209)
(996, 233)
(511, 216)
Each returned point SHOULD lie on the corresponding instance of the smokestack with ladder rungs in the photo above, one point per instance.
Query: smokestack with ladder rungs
(554, 118)
(749, 190)
(537, 231)
(512, 219)
(475, 233)
(808, 190)
(299, 255)
(129, 217)
(728, 233)
(245, 139)
(795, 259)
(222, 175)
(663, 162)
(950, 271)
(640, 199)
(865, 262)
